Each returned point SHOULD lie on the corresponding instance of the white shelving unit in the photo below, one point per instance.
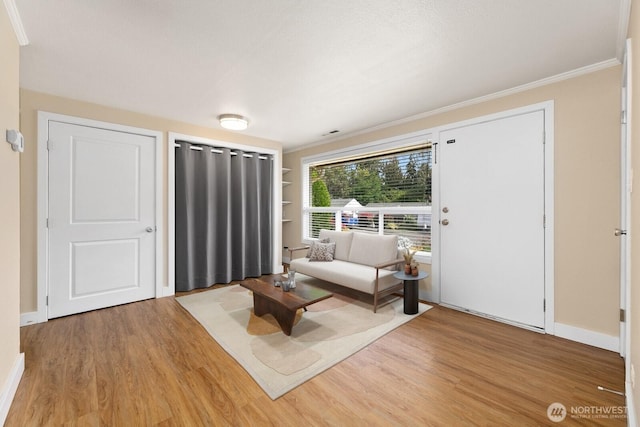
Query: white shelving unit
(285, 202)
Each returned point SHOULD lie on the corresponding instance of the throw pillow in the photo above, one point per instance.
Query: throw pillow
(323, 252)
(325, 240)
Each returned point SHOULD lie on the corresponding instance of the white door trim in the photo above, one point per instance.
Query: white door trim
(626, 186)
(549, 286)
(171, 200)
(43, 196)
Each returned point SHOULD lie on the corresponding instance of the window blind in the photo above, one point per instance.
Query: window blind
(383, 193)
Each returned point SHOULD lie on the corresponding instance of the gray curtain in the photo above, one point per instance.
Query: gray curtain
(223, 215)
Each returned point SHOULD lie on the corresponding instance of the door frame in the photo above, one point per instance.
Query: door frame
(548, 108)
(276, 226)
(625, 208)
(44, 118)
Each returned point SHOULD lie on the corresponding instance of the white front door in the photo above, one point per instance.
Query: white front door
(492, 206)
(101, 219)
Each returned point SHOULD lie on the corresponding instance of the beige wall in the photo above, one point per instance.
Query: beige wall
(586, 189)
(32, 102)
(634, 315)
(10, 206)
(586, 199)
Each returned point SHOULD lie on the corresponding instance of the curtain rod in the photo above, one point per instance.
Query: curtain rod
(218, 151)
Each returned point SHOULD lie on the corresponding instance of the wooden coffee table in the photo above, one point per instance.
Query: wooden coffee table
(282, 305)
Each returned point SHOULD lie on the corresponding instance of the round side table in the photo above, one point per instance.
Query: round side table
(410, 290)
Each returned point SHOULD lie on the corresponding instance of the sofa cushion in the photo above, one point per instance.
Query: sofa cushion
(342, 240)
(355, 276)
(372, 249)
(322, 251)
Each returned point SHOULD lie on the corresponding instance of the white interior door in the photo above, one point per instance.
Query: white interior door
(625, 201)
(492, 213)
(101, 218)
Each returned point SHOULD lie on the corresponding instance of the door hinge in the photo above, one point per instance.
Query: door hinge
(47, 222)
(544, 221)
(46, 300)
(435, 153)
(49, 145)
(623, 117)
(622, 315)
(544, 305)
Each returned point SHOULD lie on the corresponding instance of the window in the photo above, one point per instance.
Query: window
(383, 192)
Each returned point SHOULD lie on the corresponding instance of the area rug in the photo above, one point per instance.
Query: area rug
(330, 331)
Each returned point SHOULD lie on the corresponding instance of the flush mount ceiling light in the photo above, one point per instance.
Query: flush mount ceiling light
(233, 121)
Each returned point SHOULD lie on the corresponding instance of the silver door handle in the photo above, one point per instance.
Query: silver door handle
(445, 222)
(149, 229)
(619, 232)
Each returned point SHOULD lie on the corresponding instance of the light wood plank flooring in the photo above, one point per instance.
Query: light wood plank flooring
(150, 363)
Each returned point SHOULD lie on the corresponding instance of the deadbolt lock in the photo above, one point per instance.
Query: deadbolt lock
(445, 222)
(445, 209)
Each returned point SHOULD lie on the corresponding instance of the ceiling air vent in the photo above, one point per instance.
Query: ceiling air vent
(331, 132)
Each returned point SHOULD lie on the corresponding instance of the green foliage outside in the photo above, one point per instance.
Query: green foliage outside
(376, 181)
(320, 197)
(320, 194)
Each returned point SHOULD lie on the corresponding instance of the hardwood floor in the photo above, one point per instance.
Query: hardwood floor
(150, 363)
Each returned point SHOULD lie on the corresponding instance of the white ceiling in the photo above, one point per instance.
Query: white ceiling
(301, 68)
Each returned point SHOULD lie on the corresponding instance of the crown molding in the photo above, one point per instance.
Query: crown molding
(528, 86)
(623, 27)
(16, 22)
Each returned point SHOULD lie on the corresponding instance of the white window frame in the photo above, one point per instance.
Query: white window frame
(396, 143)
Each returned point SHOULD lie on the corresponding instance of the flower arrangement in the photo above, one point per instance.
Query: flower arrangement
(408, 255)
(410, 264)
(408, 260)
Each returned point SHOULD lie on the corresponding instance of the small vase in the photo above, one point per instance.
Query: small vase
(414, 271)
(292, 279)
(407, 269)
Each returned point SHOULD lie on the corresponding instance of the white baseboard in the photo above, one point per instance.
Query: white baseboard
(10, 387)
(632, 421)
(585, 336)
(30, 318)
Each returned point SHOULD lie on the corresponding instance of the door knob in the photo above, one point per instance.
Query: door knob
(149, 229)
(619, 232)
(445, 222)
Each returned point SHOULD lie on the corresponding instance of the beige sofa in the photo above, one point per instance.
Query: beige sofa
(361, 261)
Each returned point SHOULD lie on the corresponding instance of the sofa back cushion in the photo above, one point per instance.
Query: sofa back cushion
(372, 249)
(342, 240)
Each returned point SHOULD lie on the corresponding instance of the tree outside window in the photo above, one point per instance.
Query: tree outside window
(394, 187)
